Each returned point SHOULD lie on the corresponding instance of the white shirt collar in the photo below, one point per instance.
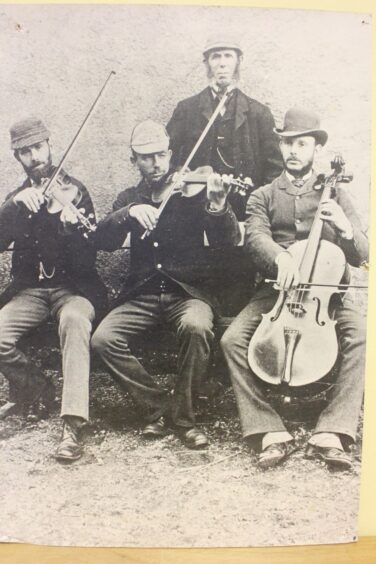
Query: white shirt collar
(305, 177)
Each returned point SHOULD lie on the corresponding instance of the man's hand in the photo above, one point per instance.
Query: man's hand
(32, 198)
(217, 190)
(146, 215)
(68, 217)
(333, 213)
(288, 271)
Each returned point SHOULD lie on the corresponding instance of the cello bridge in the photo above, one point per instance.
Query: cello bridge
(296, 309)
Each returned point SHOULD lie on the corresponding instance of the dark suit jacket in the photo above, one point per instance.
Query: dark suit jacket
(281, 214)
(255, 147)
(175, 248)
(79, 253)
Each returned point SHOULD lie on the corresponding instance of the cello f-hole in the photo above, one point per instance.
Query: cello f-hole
(321, 323)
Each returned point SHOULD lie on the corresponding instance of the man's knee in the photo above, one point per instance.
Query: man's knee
(72, 318)
(200, 325)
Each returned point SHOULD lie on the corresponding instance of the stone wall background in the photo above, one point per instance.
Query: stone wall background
(54, 59)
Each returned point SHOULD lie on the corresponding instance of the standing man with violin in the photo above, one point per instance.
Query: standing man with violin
(53, 273)
(242, 141)
(167, 282)
(280, 214)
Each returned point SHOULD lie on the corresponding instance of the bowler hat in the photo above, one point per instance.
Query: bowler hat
(149, 137)
(299, 121)
(221, 41)
(27, 132)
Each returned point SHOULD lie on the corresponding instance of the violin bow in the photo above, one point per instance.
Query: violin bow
(75, 138)
(183, 170)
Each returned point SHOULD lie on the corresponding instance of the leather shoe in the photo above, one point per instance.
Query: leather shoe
(274, 454)
(9, 408)
(333, 457)
(194, 438)
(69, 448)
(156, 429)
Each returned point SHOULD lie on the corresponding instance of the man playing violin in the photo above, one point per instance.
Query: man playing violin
(167, 284)
(242, 141)
(53, 274)
(280, 214)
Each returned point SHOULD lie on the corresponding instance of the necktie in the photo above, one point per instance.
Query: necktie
(298, 182)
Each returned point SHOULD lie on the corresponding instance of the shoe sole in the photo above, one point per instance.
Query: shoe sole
(153, 435)
(62, 458)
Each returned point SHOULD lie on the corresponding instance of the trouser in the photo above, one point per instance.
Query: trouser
(75, 314)
(256, 414)
(192, 320)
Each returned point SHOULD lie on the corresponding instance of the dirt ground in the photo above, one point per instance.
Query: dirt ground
(127, 491)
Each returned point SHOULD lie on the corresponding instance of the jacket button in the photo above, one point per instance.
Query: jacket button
(156, 244)
(297, 221)
(159, 265)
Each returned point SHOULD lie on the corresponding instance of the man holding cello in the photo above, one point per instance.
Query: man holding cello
(281, 214)
(53, 274)
(168, 283)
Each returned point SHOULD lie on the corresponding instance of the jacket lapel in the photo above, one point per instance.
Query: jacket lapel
(206, 103)
(241, 108)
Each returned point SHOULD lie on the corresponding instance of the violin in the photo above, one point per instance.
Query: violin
(296, 342)
(175, 185)
(59, 191)
(64, 194)
(193, 182)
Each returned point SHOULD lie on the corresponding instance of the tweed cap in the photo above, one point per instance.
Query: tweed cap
(299, 122)
(27, 132)
(149, 137)
(222, 41)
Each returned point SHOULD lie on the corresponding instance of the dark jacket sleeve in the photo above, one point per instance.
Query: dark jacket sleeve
(176, 129)
(114, 228)
(356, 249)
(258, 239)
(272, 164)
(222, 229)
(9, 213)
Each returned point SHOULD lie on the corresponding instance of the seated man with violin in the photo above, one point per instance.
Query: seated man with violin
(282, 215)
(53, 274)
(168, 280)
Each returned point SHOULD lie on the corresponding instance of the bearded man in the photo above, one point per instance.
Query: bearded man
(53, 274)
(167, 283)
(279, 214)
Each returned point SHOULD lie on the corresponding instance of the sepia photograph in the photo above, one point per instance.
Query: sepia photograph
(184, 221)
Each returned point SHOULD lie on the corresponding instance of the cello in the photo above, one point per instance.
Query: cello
(296, 342)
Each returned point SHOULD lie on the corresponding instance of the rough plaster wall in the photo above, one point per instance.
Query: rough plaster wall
(54, 59)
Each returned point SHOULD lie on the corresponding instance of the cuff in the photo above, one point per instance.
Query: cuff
(215, 212)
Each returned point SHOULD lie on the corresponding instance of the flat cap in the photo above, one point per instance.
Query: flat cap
(27, 132)
(149, 137)
(222, 41)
